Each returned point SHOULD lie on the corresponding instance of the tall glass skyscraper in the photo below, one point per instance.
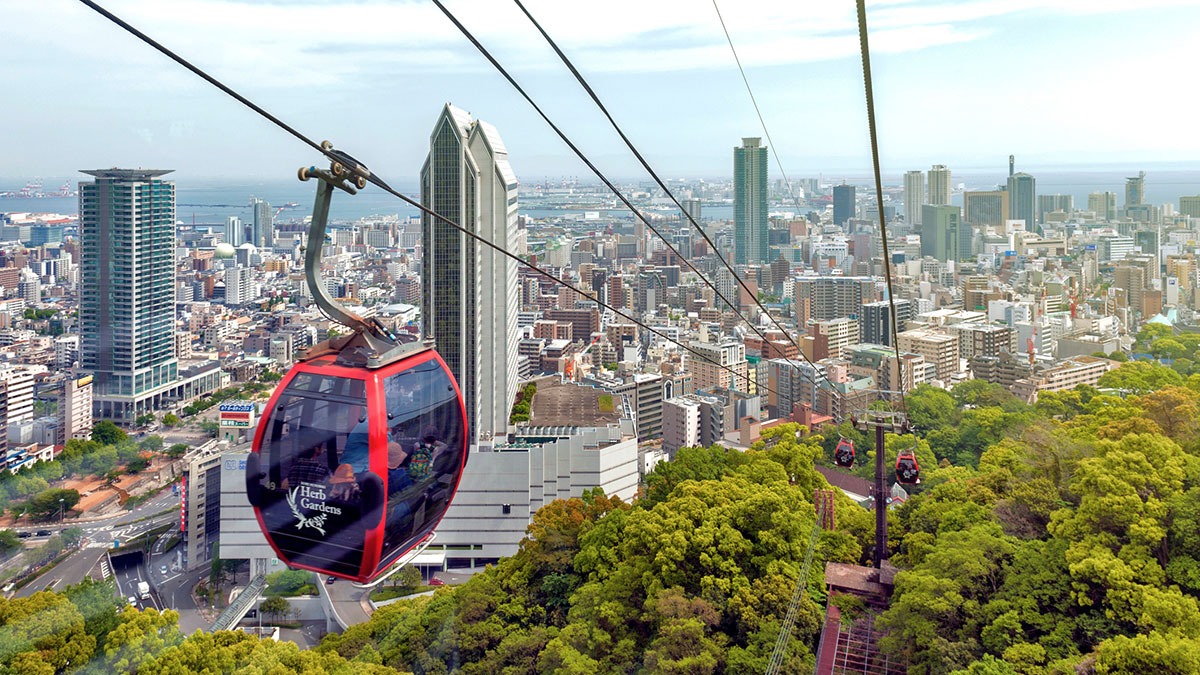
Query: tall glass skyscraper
(264, 224)
(939, 185)
(469, 292)
(750, 237)
(843, 203)
(127, 298)
(1022, 200)
(914, 196)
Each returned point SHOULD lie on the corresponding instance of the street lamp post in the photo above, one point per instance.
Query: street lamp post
(60, 511)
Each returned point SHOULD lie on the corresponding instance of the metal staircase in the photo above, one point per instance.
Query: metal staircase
(857, 652)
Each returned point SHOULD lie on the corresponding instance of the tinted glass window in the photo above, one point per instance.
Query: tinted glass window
(312, 494)
(425, 437)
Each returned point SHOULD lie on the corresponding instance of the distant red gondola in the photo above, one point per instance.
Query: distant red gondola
(907, 469)
(843, 455)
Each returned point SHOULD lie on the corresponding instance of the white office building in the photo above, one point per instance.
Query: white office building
(469, 292)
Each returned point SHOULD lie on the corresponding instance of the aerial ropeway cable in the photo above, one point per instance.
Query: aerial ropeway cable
(654, 176)
(360, 171)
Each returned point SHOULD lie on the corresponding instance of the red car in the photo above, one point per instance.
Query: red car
(436, 582)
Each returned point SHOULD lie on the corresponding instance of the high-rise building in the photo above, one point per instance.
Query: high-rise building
(1022, 200)
(1190, 206)
(719, 364)
(127, 295)
(1135, 189)
(914, 196)
(938, 348)
(1051, 203)
(986, 208)
(691, 209)
(843, 203)
(1103, 204)
(944, 235)
(235, 231)
(939, 185)
(264, 224)
(832, 297)
(470, 292)
(875, 322)
(750, 203)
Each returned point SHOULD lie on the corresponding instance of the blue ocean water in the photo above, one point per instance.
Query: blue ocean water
(213, 202)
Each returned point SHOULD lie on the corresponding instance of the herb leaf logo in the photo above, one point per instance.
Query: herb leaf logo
(302, 521)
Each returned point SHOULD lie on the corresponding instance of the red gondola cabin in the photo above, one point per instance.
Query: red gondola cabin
(352, 467)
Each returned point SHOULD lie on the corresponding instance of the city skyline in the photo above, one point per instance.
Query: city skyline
(802, 62)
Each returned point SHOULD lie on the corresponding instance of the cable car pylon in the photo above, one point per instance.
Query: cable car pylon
(882, 422)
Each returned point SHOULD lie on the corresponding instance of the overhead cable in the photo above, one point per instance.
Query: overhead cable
(335, 156)
(504, 72)
(616, 191)
(779, 162)
(887, 258)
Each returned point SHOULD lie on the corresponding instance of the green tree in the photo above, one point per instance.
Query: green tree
(47, 504)
(170, 420)
(100, 461)
(1140, 377)
(1149, 334)
(9, 542)
(139, 638)
(42, 634)
(930, 408)
(145, 420)
(289, 582)
(178, 450)
(408, 578)
(1150, 653)
(1166, 348)
(275, 606)
(97, 601)
(216, 570)
(107, 433)
(151, 443)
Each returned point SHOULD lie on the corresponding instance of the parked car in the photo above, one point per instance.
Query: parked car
(436, 582)
(162, 569)
(330, 580)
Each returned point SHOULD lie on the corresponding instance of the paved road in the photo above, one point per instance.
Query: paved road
(348, 601)
(163, 503)
(70, 571)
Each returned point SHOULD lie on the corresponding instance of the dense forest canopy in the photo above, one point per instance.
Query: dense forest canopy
(1056, 538)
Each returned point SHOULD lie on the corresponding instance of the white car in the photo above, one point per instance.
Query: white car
(132, 601)
(163, 569)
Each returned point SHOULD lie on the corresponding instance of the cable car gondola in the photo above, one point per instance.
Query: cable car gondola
(363, 442)
(843, 455)
(907, 469)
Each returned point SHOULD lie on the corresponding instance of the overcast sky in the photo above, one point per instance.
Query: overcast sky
(1056, 82)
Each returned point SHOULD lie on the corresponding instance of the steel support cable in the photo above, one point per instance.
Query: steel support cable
(887, 258)
(604, 179)
(753, 100)
(380, 183)
(789, 619)
(653, 174)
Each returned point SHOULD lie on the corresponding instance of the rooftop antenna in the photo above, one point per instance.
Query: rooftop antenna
(1012, 159)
